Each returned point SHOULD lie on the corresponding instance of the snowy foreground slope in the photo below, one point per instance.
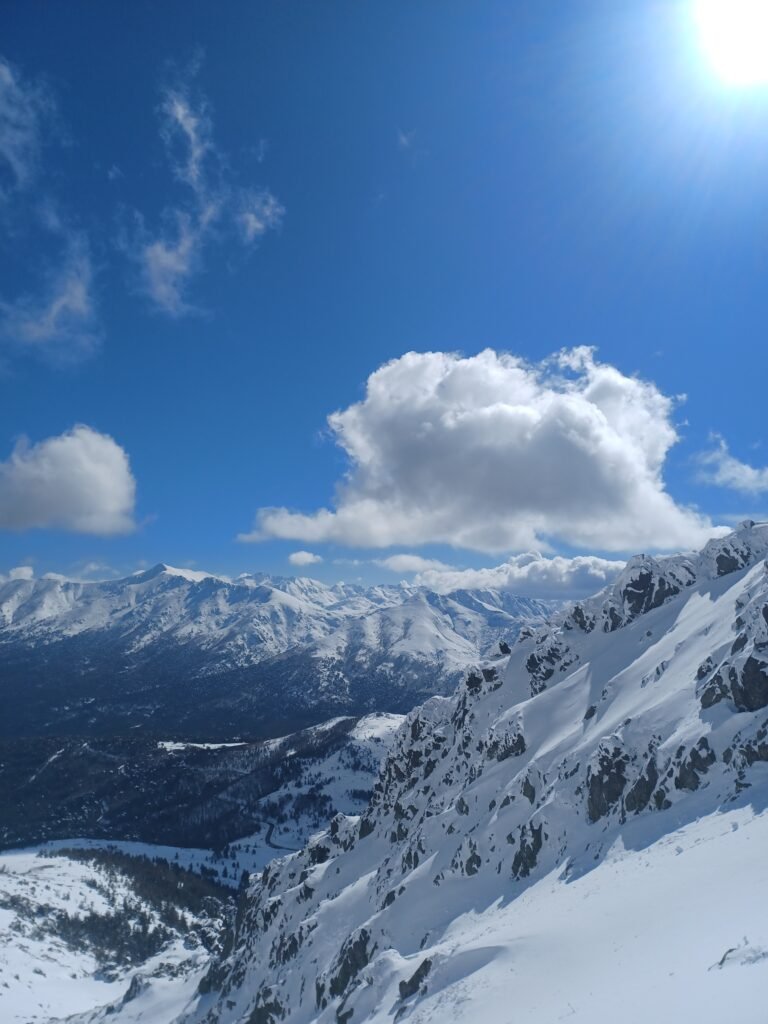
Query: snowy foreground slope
(85, 923)
(580, 836)
(170, 649)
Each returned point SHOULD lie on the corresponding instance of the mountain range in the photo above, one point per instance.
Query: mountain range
(182, 653)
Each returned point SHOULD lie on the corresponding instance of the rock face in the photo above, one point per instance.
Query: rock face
(455, 831)
(169, 651)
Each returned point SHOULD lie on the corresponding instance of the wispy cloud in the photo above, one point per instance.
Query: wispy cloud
(186, 132)
(24, 106)
(212, 208)
(405, 139)
(59, 320)
(722, 469)
(168, 261)
(259, 212)
(57, 316)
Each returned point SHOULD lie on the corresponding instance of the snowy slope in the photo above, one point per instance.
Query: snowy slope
(46, 971)
(257, 655)
(61, 922)
(579, 837)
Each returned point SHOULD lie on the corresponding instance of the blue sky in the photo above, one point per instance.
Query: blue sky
(218, 221)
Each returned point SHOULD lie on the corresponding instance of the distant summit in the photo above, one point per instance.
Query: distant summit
(170, 648)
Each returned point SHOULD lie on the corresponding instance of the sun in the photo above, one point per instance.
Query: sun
(734, 35)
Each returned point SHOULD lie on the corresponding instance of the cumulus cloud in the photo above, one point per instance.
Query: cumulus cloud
(411, 563)
(24, 107)
(79, 481)
(492, 453)
(531, 574)
(304, 558)
(170, 257)
(722, 469)
(60, 320)
(21, 572)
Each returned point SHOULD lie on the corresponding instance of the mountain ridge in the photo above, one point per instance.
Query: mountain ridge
(168, 649)
(634, 720)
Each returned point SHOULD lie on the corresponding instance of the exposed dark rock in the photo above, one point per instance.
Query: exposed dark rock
(714, 692)
(353, 958)
(267, 1010)
(473, 863)
(727, 563)
(581, 620)
(750, 690)
(739, 643)
(474, 683)
(526, 856)
(411, 987)
(639, 795)
(646, 592)
(528, 790)
(318, 854)
(697, 763)
(605, 785)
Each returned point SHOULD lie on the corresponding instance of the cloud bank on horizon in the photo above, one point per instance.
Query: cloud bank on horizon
(494, 454)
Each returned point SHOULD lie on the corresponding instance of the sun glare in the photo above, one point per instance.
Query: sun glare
(734, 35)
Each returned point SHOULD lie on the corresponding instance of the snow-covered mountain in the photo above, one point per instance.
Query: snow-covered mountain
(579, 834)
(171, 649)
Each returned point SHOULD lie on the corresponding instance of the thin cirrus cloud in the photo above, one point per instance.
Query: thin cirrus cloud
(56, 318)
(495, 454)
(79, 481)
(720, 468)
(24, 108)
(170, 257)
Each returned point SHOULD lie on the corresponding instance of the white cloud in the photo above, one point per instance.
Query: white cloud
(169, 258)
(722, 469)
(411, 563)
(21, 572)
(495, 454)
(79, 481)
(532, 575)
(61, 319)
(304, 558)
(259, 212)
(166, 263)
(186, 132)
(23, 108)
